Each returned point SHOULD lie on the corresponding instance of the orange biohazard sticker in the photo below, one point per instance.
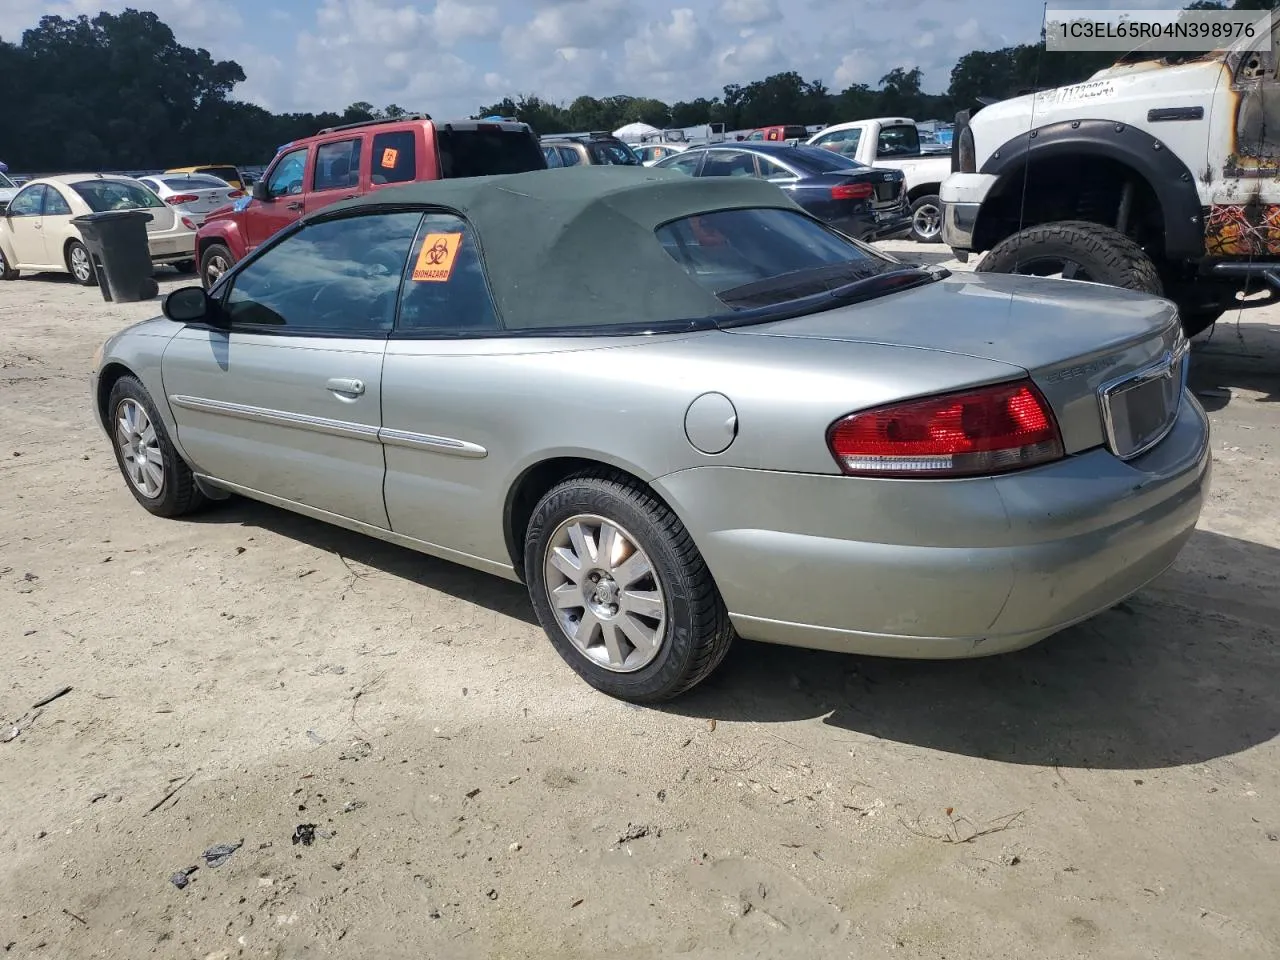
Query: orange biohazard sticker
(435, 259)
(389, 156)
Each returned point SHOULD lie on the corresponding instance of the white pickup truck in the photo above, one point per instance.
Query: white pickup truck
(1159, 174)
(894, 142)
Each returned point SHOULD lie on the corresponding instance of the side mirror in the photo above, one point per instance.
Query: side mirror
(192, 305)
(259, 190)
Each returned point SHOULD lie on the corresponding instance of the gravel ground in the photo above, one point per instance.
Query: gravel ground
(234, 678)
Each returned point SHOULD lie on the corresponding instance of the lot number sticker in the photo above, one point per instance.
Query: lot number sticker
(389, 156)
(435, 259)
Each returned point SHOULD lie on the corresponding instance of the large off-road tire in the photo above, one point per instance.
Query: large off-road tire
(640, 619)
(153, 470)
(1079, 250)
(926, 219)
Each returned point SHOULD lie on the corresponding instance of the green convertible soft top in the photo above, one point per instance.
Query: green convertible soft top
(576, 246)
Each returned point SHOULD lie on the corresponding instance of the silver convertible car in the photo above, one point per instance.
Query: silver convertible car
(681, 411)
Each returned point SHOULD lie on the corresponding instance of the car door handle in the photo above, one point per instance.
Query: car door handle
(294, 205)
(345, 385)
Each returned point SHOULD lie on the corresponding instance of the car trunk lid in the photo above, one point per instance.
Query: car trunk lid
(1074, 339)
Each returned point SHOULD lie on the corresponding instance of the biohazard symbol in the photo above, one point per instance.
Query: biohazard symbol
(435, 259)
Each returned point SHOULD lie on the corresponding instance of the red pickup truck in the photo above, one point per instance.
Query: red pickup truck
(347, 161)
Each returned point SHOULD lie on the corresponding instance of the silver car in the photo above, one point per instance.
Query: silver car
(194, 194)
(681, 411)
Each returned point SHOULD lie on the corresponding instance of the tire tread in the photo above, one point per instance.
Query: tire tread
(1122, 256)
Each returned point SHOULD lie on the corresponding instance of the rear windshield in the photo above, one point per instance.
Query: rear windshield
(794, 133)
(818, 160)
(226, 173)
(613, 154)
(481, 153)
(899, 140)
(757, 257)
(103, 195)
(194, 182)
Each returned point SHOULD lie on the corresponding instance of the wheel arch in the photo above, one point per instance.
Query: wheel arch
(110, 374)
(923, 190)
(535, 480)
(1095, 145)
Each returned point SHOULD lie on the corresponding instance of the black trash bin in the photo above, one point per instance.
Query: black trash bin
(117, 244)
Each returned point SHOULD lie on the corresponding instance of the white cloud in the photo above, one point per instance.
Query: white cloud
(749, 11)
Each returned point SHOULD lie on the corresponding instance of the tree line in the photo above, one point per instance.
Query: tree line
(118, 92)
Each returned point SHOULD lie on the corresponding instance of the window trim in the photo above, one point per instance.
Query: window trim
(226, 283)
(28, 188)
(315, 165)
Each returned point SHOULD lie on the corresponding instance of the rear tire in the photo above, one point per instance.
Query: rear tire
(1101, 254)
(141, 444)
(80, 264)
(926, 219)
(673, 604)
(216, 260)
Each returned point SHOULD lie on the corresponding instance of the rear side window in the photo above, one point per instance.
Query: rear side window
(900, 140)
(337, 165)
(484, 152)
(55, 205)
(613, 154)
(395, 157)
(735, 248)
(569, 156)
(553, 157)
(445, 292)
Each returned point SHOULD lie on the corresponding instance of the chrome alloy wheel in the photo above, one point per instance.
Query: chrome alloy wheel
(927, 221)
(605, 593)
(216, 267)
(139, 449)
(81, 266)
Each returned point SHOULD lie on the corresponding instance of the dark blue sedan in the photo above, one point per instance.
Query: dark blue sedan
(860, 201)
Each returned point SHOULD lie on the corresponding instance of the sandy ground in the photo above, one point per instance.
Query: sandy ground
(1112, 792)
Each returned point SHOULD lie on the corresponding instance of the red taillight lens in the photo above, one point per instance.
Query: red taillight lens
(181, 198)
(984, 431)
(852, 191)
(188, 223)
(235, 194)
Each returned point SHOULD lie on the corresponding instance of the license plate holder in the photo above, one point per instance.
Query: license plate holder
(1139, 409)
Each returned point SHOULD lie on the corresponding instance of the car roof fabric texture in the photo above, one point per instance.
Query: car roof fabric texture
(576, 247)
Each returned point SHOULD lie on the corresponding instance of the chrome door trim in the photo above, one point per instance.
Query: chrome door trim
(425, 441)
(279, 418)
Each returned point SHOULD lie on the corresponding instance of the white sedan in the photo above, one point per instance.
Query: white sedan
(37, 233)
(195, 195)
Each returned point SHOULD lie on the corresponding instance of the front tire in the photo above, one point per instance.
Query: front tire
(80, 264)
(622, 591)
(1078, 250)
(7, 272)
(926, 219)
(216, 260)
(154, 471)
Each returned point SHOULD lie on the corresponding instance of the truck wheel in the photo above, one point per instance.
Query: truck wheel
(216, 261)
(926, 219)
(1078, 250)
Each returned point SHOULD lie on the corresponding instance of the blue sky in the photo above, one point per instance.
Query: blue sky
(448, 57)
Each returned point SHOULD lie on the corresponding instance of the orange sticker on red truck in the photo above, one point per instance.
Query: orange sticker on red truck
(435, 259)
(389, 156)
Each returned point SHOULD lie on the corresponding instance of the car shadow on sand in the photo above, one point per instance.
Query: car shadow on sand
(1183, 672)
(1237, 352)
(491, 592)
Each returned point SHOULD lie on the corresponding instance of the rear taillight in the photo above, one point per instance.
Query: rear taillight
(188, 223)
(852, 191)
(989, 430)
(180, 198)
(235, 194)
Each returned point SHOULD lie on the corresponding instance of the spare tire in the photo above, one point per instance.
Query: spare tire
(1078, 250)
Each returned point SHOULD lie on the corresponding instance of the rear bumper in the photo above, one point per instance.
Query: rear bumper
(172, 245)
(943, 569)
(962, 195)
